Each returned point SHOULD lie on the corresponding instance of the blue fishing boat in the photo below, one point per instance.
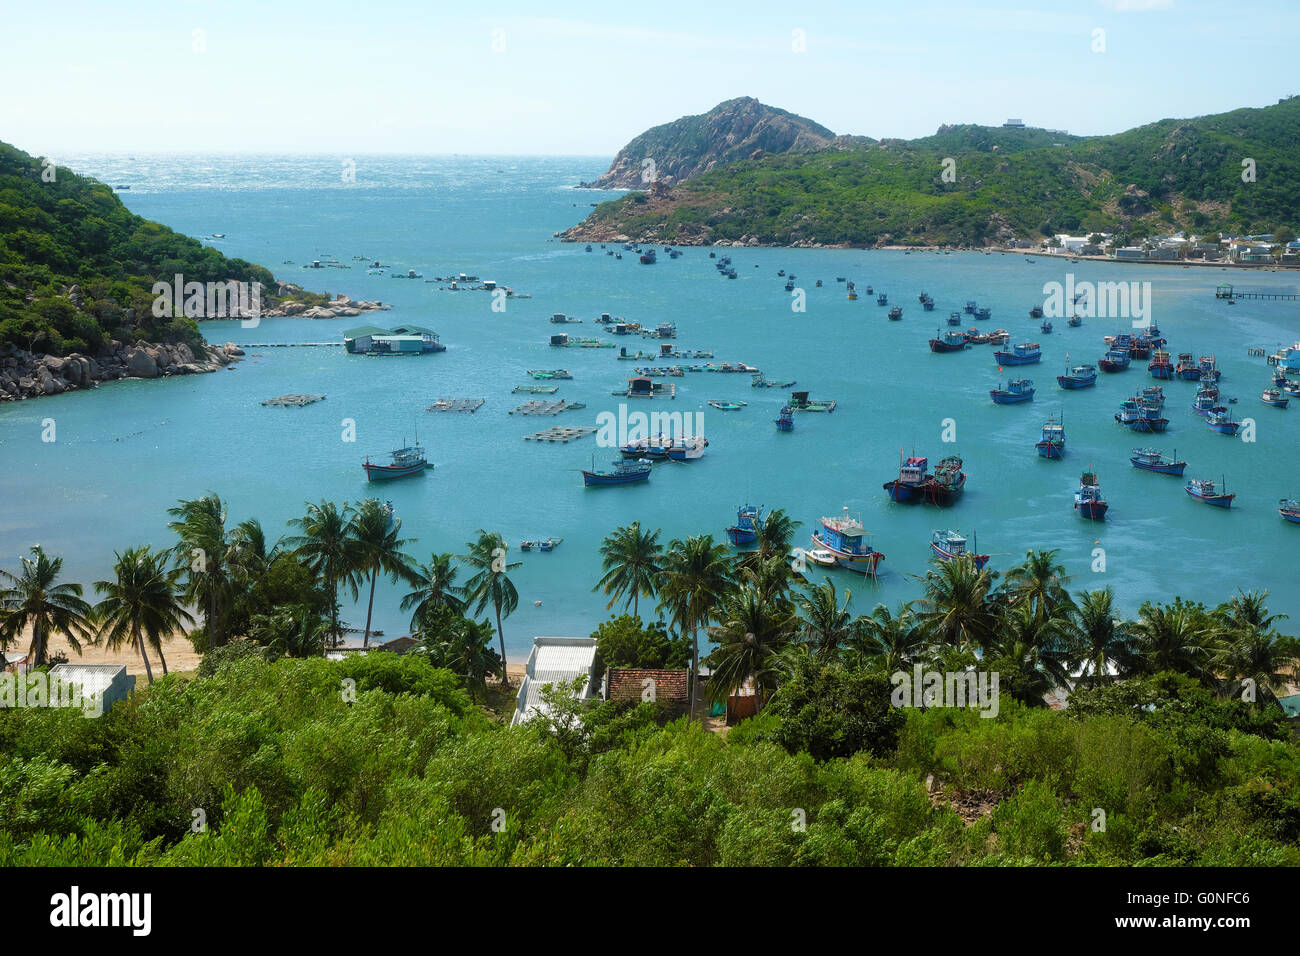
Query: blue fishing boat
(745, 530)
(1187, 369)
(409, 460)
(1036, 312)
(912, 475)
(1208, 369)
(882, 299)
(1088, 500)
(785, 421)
(1052, 442)
(1026, 353)
(1153, 395)
(1017, 390)
(982, 313)
(948, 341)
(1081, 376)
(842, 536)
(1133, 415)
(1273, 398)
(927, 305)
(1046, 328)
(1116, 360)
(970, 307)
(1075, 321)
(622, 473)
(1160, 366)
(1206, 402)
(954, 318)
(951, 546)
(1205, 489)
(1222, 422)
(1289, 509)
(1150, 459)
(896, 313)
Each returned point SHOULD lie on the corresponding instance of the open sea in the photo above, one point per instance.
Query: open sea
(127, 451)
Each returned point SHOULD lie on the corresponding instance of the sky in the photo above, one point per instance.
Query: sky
(582, 78)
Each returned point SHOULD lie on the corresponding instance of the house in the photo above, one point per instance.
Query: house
(1014, 124)
(669, 687)
(110, 681)
(403, 340)
(398, 645)
(1130, 252)
(555, 660)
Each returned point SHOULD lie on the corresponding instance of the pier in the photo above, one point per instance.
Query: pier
(562, 434)
(290, 345)
(1226, 291)
(470, 405)
(296, 401)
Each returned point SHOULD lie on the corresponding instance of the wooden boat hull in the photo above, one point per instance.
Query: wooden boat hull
(1011, 358)
(1224, 428)
(1048, 449)
(1092, 510)
(1160, 468)
(938, 345)
(863, 562)
(1011, 398)
(903, 491)
(1071, 382)
(1218, 501)
(389, 472)
(1290, 514)
(1109, 365)
(595, 479)
(946, 556)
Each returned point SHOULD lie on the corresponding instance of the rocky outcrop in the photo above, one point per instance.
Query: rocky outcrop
(737, 129)
(31, 375)
(341, 306)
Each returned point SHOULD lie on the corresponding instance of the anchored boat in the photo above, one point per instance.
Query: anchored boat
(745, 530)
(1025, 353)
(622, 473)
(1081, 376)
(1205, 489)
(785, 421)
(842, 536)
(948, 341)
(1116, 360)
(945, 486)
(1088, 500)
(1150, 459)
(1017, 390)
(1052, 442)
(1223, 423)
(409, 460)
(1289, 509)
(1273, 398)
(910, 483)
(951, 546)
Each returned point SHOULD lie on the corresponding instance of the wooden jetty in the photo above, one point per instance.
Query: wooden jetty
(470, 405)
(545, 408)
(1226, 291)
(296, 401)
(289, 345)
(562, 434)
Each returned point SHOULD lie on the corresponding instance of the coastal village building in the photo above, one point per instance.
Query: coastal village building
(403, 340)
(109, 680)
(555, 660)
(668, 687)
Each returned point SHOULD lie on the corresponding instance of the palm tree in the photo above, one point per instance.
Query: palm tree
(772, 578)
(435, 590)
(250, 557)
(751, 635)
(1101, 645)
(957, 607)
(1038, 645)
(1247, 611)
(326, 547)
(1250, 647)
(36, 601)
(204, 555)
(465, 648)
(630, 560)
(1039, 581)
(775, 535)
(894, 641)
(1173, 637)
(696, 573)
(141, 604)
(377, 549)
(491, 584)
(295, 631)
(826, 622)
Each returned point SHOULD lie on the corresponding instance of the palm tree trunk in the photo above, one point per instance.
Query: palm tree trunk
(139, 643)
(36, 653)
(694, 675)
(636, 602)
(162, 658)
(505, 678)
(370, 607)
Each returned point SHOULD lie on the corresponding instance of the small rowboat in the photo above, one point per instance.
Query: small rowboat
(1205, 489)
(729, 406)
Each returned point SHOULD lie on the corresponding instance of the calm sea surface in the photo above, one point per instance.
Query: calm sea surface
(127, 451)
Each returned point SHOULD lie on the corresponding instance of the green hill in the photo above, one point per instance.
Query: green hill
(1023, 183)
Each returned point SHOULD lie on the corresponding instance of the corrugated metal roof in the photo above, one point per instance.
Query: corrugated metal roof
(92, 678)
(552, 661)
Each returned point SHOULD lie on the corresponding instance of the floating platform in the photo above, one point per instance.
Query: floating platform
(561, 434)
(296, 401)
(546, 408)
(470, 405)
(535, 389)
(289, 345)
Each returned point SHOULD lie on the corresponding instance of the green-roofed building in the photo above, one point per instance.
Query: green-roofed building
(403, 340)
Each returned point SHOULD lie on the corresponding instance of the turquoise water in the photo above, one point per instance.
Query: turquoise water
(128, 450)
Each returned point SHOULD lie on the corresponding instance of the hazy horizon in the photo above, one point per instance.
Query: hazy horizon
(398, 78)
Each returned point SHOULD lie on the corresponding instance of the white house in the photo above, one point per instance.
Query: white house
(554, 660)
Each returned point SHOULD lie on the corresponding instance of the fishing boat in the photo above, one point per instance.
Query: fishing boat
(760, 382)
(951, 546)
(982, 313)
(745, 530)
(970, 307)
(945, 486)
(541, 544)
(1289, 509)
(954, 318)
(1036, 312)
(1075, 321)
(882, 299)
(1208, 368)
(408, 460)
(1052, 442)
(800, 402)
(558, 374)
(1026, 353)
(621, 473)
(728, 406)
(687, 448)
(1206, 403)
(648, 257)
(1133, 415)
(785, 421)
(842, 536)
(949, 341)
(852, 296)
(1081, 376)
(1160, 366)
(1150, 459)
(896, 313)
(1016, 391)
(1273, 398)
(1046, 328)
(975, 337)
(999, 337)
(1115, 360)
(1222, 422)
(1153, 395)
(1205, 489)
(1187, 369)
(789, 285)
(927, 305)
(912, 476)
(1088, 500)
